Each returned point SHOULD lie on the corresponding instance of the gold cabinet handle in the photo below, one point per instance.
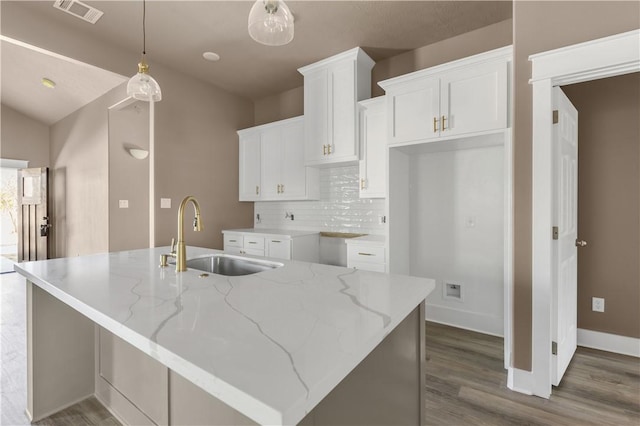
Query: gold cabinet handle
(365, 254)
(324, 149)
(435, 124)
(362, 183)
(257, 190)
(444, 123)
(282, 188)
(276, 241)
(252, 242)
(329, 149)
(278, 188)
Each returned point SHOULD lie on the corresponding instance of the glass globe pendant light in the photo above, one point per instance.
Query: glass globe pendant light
(142, 86)
(271, 23)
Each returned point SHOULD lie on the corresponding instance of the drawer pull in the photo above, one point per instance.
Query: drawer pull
(365, 254)
(275, 241)
(252, 242)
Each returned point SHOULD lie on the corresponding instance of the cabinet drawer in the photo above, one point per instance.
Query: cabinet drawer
(253, 252)
(366, 254)
(374, 267)
(232, 240)
(233, 250)
(254, 243)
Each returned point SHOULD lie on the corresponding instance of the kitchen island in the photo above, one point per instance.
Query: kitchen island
(300, 344)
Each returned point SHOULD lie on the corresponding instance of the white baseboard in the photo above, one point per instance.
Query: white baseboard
(520, 381)
(467, 320)
(609, 342)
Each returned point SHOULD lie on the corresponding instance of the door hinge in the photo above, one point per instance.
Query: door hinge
(554, 232)
(555, 116)
(554, 348)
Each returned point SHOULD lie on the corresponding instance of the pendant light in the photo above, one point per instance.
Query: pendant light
(271, 23)
(142, 86)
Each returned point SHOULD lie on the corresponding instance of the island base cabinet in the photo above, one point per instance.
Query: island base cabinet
(123, 370)
(60, 354)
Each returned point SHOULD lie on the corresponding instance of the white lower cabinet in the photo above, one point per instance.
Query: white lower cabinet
(278, 244)
(367, 253)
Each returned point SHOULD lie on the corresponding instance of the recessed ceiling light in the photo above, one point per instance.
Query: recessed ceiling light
(48, 83)
(210, 56)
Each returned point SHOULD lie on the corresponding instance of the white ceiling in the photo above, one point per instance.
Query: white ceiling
(77, 84)
(178, 32)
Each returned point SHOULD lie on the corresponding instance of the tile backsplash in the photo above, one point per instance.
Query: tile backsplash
(339, 209)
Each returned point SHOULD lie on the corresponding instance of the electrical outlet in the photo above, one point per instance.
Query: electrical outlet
(597, 304)
(123, 204)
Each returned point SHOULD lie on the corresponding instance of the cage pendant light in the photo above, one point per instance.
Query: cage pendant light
(271, 23)
(142, 86)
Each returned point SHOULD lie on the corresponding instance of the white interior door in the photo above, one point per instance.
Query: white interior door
(565, 256)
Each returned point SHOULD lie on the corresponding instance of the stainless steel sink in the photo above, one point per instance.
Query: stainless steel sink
(225, 264)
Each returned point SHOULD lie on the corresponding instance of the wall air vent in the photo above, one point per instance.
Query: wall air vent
(79, 9)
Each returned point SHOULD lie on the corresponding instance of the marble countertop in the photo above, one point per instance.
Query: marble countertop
(272, 231)
(271, 345)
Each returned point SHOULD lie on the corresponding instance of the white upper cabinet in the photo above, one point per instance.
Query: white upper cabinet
(281, 173)
(373, 147)
(249, 165)
(458, 98)
(332, 88)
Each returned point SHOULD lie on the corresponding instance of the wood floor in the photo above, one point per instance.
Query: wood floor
(466, 381)
(466, 385)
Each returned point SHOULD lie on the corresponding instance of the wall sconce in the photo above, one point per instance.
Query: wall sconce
(137, 153)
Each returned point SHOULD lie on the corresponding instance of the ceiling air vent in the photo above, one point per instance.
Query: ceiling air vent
(79, 9)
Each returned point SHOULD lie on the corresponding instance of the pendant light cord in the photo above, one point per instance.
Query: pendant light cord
(144, 32)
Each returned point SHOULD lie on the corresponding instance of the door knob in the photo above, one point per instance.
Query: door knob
(581, 243)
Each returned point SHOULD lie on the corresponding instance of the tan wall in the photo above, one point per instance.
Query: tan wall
(80, 177)
(279, 107)
(197, 154)
(128, 177)
(23, 138)
(541, 26)
(196, 143)
(291, 103)
(608, 202)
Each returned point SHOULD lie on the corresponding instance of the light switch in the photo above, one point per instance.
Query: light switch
(165, 203)
(123, 204)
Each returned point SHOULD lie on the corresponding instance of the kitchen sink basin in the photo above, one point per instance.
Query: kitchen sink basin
(224, 264)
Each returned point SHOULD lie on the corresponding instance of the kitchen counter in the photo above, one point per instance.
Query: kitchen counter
(272, 232)
(270, 345)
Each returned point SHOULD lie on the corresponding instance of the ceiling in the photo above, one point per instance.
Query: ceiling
(178, 32)
(77, 84)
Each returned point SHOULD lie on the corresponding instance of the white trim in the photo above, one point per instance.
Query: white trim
(13, 164)
(609, 342)
(504, 53)
(616, 55)
(517, 377)
(600, 58)
(59, 56)
(466, 320)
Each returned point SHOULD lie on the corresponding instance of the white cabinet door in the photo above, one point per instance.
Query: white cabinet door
(316, 102)
(279, 248)
(249, 167)
(294, 173)
(414, 111)
(332, 87)
(373, 136)
(342, 141)
(474, 99)
(271, 162)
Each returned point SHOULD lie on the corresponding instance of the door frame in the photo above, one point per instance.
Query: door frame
(605, 57)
